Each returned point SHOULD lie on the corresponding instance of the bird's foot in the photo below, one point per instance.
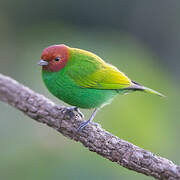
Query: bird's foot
(95, 124)
(79, 112)
(84, 124)
(72, 110)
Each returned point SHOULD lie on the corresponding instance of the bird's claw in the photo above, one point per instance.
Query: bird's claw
(72, 110)
(79, 112)
(84, 124)
(95, 124)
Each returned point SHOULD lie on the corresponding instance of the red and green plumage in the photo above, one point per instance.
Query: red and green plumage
(83, 79)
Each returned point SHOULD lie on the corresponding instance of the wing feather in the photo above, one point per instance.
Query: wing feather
(93, 72)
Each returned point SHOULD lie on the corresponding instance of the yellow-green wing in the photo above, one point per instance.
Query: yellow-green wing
(92, 72)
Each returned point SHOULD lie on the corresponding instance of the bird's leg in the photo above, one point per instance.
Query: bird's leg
(84, 124)
(76, 109)
(79, 112)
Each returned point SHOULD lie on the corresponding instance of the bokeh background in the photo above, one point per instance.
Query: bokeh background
(141, 38)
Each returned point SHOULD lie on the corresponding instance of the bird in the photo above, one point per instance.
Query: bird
(82, 79)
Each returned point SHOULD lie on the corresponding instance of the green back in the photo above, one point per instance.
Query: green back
(90, 71)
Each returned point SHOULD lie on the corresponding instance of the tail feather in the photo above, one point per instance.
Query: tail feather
(136, 86)
(148, 90)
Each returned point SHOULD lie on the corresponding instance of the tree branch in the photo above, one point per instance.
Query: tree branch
(94, 138)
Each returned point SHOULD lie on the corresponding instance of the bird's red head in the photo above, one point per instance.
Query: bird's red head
(54, 57)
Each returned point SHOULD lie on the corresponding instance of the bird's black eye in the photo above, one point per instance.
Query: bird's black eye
(57, 58)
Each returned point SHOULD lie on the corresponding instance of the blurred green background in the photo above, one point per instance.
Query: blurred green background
(141, 38)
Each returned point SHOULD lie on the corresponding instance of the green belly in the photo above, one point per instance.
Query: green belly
(85, 98)
(61, 86)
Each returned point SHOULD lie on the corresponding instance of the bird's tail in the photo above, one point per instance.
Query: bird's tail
(136, 86)
(148, 90)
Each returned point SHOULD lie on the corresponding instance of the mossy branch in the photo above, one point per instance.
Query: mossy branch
(94, 138)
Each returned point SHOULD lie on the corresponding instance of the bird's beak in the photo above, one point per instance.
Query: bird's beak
(43, 63)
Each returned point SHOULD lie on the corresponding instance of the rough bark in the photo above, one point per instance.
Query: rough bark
(94, 138)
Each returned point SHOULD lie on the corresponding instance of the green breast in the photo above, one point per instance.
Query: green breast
(64, 88)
